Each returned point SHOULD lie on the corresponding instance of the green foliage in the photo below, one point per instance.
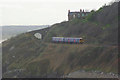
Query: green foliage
(96, 23)
(106, 26)
(90, 16)
(75, 21)
(101, 9)
(84, 20)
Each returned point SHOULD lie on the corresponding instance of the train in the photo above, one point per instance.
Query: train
(67, 40)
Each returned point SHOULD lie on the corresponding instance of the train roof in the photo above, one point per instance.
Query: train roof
(57, 37)
(68, 37)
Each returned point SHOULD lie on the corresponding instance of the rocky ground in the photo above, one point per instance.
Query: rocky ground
(90, 74)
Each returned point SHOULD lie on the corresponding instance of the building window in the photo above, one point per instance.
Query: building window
(82, 14)
(74, 16)
(78, 15)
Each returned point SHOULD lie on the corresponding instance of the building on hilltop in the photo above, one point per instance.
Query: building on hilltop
(73, 15)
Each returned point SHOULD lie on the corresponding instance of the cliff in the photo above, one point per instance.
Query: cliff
(26, 56)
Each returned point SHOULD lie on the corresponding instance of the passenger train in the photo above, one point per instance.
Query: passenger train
(67, 40)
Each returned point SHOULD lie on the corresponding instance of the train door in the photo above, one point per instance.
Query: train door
(68, 40)
(74, 41)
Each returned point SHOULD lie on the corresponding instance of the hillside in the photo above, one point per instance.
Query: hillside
(26, 56)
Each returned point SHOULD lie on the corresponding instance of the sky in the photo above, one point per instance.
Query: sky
(43, 12)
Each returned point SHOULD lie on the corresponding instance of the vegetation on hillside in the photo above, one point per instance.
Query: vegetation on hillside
(42, 58)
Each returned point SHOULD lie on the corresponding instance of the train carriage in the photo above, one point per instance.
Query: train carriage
(57, 39)
(67, 40)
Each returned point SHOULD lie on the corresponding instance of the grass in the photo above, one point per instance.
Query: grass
(106, 26)
(41, 57)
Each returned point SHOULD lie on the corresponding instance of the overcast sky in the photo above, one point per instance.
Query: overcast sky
(42, 12)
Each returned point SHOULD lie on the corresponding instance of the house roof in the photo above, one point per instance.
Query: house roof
(71, 13)
(74, 12)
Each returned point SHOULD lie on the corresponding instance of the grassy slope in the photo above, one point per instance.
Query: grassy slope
(41, 57)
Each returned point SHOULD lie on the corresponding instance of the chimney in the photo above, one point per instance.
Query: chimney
(83, 10)
(80, 10)
(68, 11)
